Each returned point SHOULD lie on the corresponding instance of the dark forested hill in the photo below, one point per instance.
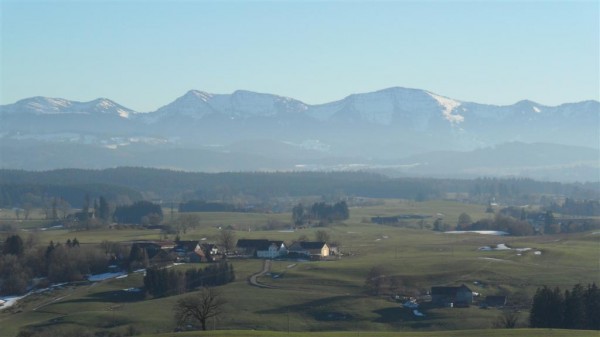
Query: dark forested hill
(171, 185)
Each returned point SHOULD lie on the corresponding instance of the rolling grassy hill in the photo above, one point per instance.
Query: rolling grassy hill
(328, 298)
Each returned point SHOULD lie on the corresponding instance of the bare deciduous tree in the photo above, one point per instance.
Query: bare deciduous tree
(187, 221)
(227, 239)
(507, 320)
(322, 236)
(198, 308)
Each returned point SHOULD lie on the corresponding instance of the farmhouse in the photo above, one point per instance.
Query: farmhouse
(261, 248)
(310, 249)
(458, 296)
(194, 251)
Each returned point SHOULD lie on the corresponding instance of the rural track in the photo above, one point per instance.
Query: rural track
(253, 279)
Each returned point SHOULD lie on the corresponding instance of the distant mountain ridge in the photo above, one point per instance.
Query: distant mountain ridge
(45, 105)
(382, 126)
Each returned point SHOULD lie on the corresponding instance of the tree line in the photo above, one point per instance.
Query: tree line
(320, 212)
(41, 195)
(161, 282)
(578, 308)
(206, 206)
(577, 207)
(168, 184)
(500, 222)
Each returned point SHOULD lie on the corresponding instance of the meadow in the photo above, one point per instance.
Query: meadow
(328, 298)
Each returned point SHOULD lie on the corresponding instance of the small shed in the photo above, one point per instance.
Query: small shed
(494, 301)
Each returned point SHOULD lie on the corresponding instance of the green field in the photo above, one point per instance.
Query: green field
(328, 298)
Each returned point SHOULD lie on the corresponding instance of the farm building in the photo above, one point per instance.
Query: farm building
(194, 251)
(310, 249)
(458, 296)
(261, 248)
(494, 301)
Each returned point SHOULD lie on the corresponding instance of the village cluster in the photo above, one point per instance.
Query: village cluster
(196, 251)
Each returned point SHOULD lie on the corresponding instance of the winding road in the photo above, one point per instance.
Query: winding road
(253, 280)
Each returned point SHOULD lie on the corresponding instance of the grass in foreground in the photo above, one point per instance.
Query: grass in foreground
(456, 333)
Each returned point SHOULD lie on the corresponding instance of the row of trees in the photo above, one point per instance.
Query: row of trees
(23, 193)
(165, 282)
(577, 207)
(499, 223)
(72, 184)
(140, 212)
(205, 206)
(322, 212)
(578, 308)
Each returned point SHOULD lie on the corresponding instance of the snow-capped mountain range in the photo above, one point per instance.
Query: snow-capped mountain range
(44, 105)
(385, 125)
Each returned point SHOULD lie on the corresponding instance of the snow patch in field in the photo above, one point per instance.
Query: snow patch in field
(132, 290)
(479, 232)
(9, 301)
(105, 276)
(494, 259)
(500, 246)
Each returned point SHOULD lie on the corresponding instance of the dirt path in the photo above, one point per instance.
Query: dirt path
(253, 280)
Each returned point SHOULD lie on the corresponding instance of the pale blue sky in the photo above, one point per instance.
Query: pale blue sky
(145, 54)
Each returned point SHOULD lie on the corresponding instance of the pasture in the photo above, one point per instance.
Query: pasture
(328, 298)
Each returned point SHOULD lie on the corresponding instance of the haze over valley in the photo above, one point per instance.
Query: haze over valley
(398, 131)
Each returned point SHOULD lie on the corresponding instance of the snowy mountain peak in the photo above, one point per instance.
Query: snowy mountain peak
(51, 106)
(106, 106)
(41, 105)
(204, 96)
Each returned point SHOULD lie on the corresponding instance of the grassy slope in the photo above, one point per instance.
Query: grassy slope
(456, 333)
(328, 295)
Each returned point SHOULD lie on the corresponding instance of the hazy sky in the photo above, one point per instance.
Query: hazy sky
(145, 54)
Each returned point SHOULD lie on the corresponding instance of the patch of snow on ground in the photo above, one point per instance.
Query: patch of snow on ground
(418, 313)
(502, 246)
(132, 290)
(410, 304)
(493, 259)
(9, 301)
(537, 252)
(478, 232)
(105, 276)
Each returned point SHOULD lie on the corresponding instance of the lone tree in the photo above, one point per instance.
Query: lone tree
(376, 280)
(322, 236)
(227, 239)
(508, 319)
(187, 221)
(198, 308)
